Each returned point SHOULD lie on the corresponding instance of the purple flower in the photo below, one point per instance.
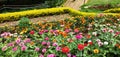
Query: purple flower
(78, 36)
(18, 40)
(51, 55)
(54, 44)
(46, 38)
(14, 49)
(43, 43)
(58, 48)
(4, 48)
(10, 44)
(68, 55)
(37, 49)
(43, 50)
(23, 48)
(41, 55)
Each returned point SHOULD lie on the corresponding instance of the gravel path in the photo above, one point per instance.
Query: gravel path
(69, 3)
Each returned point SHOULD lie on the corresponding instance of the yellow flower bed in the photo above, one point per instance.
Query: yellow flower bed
(43, 12)
(115, 10)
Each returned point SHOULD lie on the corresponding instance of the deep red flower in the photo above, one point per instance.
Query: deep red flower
(85, 44)
(32, 32)
(80, 46)
(65, 49)
(91, 43)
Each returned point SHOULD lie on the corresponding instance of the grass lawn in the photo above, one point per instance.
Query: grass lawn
(99, 5)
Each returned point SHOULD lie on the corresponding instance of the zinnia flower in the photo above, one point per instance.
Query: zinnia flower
(46, 38)
(68, 55)
(32, 32)
(51, 55)
(37, 49)
(10, 44)
(23, 48)
(80, 46)
(14, 49)
(105, 43)
(43, 43)
(96, 51)
(41, 55)
(65, 49)
(27, 40)
(4, 48)
(54, 44)
(18, 40)
(58, 48)
(43, 50)
(78, 36)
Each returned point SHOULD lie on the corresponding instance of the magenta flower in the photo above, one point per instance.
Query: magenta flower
(41, 55)
(14, 49)
(78, 36)
(46, 38)
(58, 48)
(18, 41)
(54, 44)
(43, 43)
(43, 50)
(10, 44)
(41, 32)
(37, 49)
(23, 48)
(4, 48)
(45, 30)
(51, 55)
(74, 56)
(68, 55)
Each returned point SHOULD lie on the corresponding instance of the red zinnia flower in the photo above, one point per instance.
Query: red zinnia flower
(91, 43)
(65, 49)
(85, 44)
(80, 46)
(32, 32)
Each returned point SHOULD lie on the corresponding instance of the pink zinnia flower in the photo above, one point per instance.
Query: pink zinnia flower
(22, 44)
(27, 40)
(18, 41)
(78, 36)
(37, 49)
(41, 32)
(14, 49)
(54, 44)
(46, 38)
(41, 55)
(23, 48)
(111, 31)
(58, 48)
(10, 44)
(104, 30)
(51, 55)
(76, 30)
(43, 43)
(100, 43)
(43, 50)
(4, 48)
(48, 43)
(32, 32)
(74, 56)
(68, 55)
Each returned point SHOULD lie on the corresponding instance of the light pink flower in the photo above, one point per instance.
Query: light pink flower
(41, 55)
(51, 55)
(46, 38)
(21, 44)
(100, 43)
(4, 48)
(54, 44)
(58, 48)
(18, 41)
(27, 40)
(104, 30)
(111, 31)
(43, 43)
(37, 49)
(48, 43)
(10, 44)
(76, 30)
(68, 55)
(14, 49)
(43, 50)
(23, 48)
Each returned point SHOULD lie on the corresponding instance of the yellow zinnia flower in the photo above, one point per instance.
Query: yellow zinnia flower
(96, 51)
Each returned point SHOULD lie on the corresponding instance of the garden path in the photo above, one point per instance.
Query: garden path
(69, 3)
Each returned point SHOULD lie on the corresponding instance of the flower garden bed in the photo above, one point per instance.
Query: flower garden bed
(93, 36)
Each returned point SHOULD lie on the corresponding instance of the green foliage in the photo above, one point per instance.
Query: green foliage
(24, 22)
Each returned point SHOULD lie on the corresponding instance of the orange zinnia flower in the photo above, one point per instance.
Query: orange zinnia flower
(32, 43)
